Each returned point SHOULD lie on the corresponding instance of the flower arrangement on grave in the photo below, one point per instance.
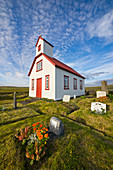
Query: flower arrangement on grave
(103, 99)
(35, 139)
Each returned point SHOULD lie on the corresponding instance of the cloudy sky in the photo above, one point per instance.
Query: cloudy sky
(81, 32)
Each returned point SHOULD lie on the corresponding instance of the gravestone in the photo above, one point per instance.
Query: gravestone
(56, 126)
(98, 107)
(66, 98)
(14, 101)
(74, 96)
(101, 94)
(104, 86)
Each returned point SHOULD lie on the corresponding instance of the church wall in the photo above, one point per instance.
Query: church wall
(59, 84)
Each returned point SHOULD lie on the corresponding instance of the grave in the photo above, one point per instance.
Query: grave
(98, 107)
(74, 96)
(66, 98)
(101, 94)
(56, 126)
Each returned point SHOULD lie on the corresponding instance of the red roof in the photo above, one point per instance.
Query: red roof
(43, 40)
(56, 63)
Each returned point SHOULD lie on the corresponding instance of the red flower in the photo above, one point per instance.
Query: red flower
(46, 135)
(32, 156)
(40, 137)
(34, 124)
(20, 137)
(40, 125)
(34, 128)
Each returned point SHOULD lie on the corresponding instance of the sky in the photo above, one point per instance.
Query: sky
(81, 32)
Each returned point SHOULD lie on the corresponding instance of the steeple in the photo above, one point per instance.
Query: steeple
(43, 46)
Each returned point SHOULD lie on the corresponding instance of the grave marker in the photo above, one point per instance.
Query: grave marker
(74, 96)
(66, 98)
(101, 94)
(56, 126)
(98, 107)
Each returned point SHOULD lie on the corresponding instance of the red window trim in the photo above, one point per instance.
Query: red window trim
(81, 87)
(42, 65)
(73, 83)
(32, 85)
(39, 47)
(48, 82)
(64, 83)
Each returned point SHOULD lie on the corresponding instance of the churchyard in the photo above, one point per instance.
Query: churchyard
(87, 141)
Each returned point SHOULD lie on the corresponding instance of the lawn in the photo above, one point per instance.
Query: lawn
(87, 142)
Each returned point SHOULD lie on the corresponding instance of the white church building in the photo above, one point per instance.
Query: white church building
(50, 78)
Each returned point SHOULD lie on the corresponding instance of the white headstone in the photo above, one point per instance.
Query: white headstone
(56, 126)
(66, 98)
(98, 107)
(54, 123)
(101, 94)
(74, 96)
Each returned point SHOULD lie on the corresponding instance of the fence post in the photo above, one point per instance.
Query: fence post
(14, 101)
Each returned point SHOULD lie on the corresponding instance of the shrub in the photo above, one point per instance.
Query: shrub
(82, 97)
(110, 96)
(34, 139)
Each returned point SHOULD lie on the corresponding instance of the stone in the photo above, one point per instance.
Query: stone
(66, 98)
(104, 86)
(74, 96)
(101, 94)
(98, 107)
(14, 101)
(56, 126)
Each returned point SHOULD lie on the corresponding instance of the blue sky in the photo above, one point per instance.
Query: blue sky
(81, 32)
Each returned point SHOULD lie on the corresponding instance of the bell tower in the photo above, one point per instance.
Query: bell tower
(43, 46)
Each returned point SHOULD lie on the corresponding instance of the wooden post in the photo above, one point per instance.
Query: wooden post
(14, 101)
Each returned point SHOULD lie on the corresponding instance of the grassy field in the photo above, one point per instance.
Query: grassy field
(87, 142)
(110, 87)
(5, 89)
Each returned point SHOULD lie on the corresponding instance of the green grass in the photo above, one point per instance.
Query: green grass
(100, 122)
(6, 89)
(88, 145)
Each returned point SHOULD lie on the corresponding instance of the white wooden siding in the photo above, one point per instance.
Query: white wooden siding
(48, 69)
(48, 50)
(59, 84)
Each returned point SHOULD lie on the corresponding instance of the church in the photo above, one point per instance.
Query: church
(50, 78)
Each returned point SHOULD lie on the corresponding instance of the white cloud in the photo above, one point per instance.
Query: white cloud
(101, 27)
(19, 75)
(63, 26)
(8, 74)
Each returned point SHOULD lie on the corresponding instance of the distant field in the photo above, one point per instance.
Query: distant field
(5, 89)
(110, 87)
(6, 93)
